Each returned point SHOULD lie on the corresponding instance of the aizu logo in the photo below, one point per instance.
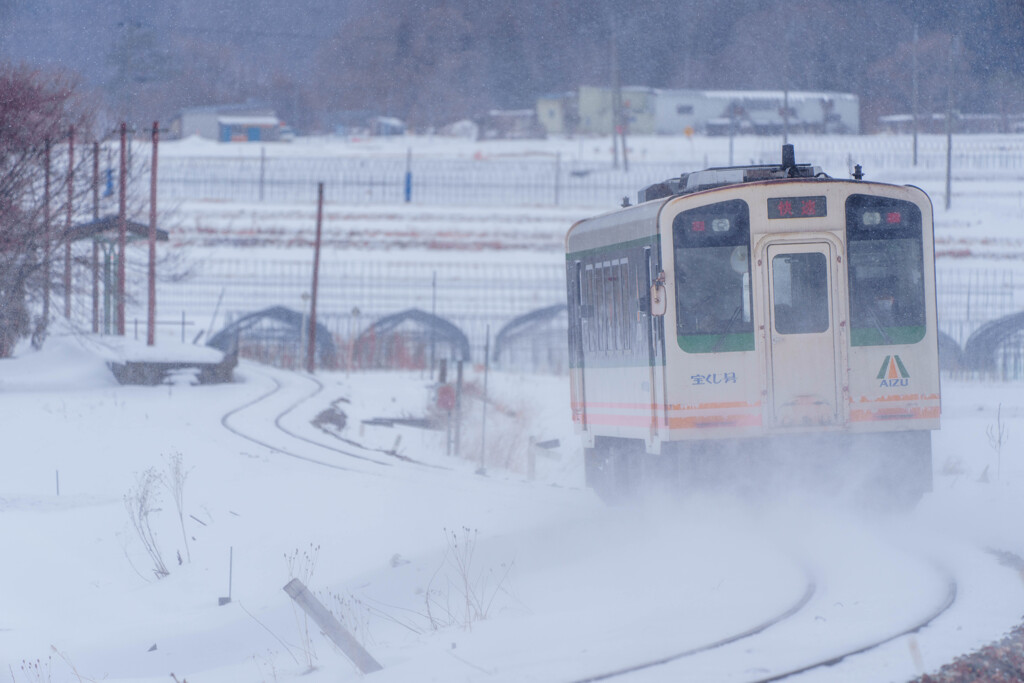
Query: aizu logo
(893, 373)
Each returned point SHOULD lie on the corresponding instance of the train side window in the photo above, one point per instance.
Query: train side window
(621, 271)
(599, 304)
(712, 283)
(611, 302)
(576, 314)
(885, 271)
(589, 333)
(610, 306)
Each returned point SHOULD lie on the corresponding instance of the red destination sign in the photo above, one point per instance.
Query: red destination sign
(797, 207)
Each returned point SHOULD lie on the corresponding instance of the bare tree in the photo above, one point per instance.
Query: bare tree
(37, 111)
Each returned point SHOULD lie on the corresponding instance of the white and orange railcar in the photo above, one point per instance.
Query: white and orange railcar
(752, 312)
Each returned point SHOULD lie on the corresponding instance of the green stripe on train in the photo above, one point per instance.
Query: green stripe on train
(870, 336)
(716, 343)
(641, 242)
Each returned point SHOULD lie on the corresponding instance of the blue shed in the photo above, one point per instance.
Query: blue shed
(251, 128)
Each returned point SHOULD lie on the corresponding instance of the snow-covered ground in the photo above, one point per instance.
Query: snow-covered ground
(560, 587)
(447, 574)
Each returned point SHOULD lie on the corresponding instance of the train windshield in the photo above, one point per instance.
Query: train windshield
(712, 273)
(886, 271)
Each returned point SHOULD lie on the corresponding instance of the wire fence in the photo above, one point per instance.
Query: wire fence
(481, 299)
(550, 181)
(353, 294)
(538, 182)
(967, 299)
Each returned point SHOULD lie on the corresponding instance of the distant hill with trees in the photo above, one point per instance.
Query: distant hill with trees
(431, 63)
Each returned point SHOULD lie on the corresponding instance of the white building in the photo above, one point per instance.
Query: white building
(762, 112)
(651, 111)
(227, 123)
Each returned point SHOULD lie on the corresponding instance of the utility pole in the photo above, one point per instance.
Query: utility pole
(785, 114)
(122, 231)
(151, 309)
(483, 418)
(914, 103)
(785, 84)
(95, 244)
(433, 312)
(67, 225)
(47, 236)
(735, 111)
(949, 122)
(616, 98)
(311, 351)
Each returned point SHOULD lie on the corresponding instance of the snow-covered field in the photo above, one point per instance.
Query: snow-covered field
(447, 574)
(520, 241)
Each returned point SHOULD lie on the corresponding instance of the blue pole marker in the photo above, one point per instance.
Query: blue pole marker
(408, 176)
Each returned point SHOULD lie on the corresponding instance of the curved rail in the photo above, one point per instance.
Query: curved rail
(793, 609)
(946, 603)
(950, 598)
(274, 449)
(350, 442)
(299, 437)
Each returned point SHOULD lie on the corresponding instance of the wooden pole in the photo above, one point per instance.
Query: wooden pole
(616, 99)
(311, 352)
(95, 244)
(914, 90)
(67, 225)
(949, 123)
(47, 237)
(122, 232)
(151, 309)
(483, 418)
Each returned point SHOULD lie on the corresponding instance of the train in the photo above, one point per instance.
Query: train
(758, 320)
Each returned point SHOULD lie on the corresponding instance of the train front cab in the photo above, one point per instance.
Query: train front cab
(799, 340)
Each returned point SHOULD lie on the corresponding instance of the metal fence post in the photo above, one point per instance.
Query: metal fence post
(558, 175)
(263, 168)
(483, 421)
(458, 405)
(408, 176)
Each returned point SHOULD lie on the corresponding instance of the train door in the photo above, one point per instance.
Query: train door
(802, 347)
(655, 351)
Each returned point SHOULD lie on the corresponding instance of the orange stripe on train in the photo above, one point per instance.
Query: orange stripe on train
(598, 405)
(897, 397)
(915, 413)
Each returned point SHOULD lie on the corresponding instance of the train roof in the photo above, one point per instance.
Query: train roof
(639, 221)
(711, 178)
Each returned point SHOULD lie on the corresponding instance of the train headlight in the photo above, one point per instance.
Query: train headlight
(871, 218)
(720, 225)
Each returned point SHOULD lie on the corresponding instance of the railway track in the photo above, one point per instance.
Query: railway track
(771, 650)
(356, 458)
(226, 422)
(775, 648)
(831, 661)
(791, 610)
